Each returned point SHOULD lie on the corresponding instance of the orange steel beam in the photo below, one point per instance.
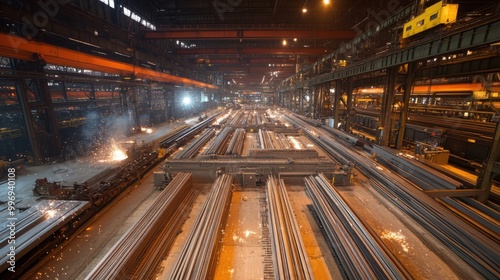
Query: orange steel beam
(20, 48)
(250, 34)
(270, 60)
(222, 51)
(429, 89)
(253, 67)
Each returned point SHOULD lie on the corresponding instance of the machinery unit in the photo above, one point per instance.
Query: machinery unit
(433, 16)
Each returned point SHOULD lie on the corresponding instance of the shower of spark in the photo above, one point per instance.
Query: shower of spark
(118, 155)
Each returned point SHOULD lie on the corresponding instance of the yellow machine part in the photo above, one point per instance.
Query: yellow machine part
(433, 16)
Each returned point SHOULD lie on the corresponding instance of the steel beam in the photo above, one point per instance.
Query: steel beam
(410, 78)
(217, 34)
(29, 121)
(386, 113)
(20, 48)
(236, 51)
(490, 64)
(484, 181)
(339, 89)
(251, 61)
(474, 37)
(350, 114)
(453, 193)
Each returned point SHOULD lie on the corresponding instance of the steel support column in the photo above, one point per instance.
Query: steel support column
(314, 103)
(46, 126)
(350, 85)
(166, 97)
(386, 113)
(336, 102)
(134, 99)
(21, 91)
(408, 86)
(301, 101)
(92, 94)
(484, 181)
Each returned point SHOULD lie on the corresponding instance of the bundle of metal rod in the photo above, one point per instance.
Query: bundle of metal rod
(266, 141)
(190, 150)
(32, 226)
(422, 175)
(218, 146)
(469, 241)
(429, 179)
(244, 119)
(359, 253)
(289, 253)
(235, 146)
(144, 245)
(198, 256)
(183, 135)
(236, 119)
(259, 119)
(283, 141)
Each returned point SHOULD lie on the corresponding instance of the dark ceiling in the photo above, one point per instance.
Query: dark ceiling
(244, 39)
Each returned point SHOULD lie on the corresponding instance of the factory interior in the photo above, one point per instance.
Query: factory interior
(234, 139)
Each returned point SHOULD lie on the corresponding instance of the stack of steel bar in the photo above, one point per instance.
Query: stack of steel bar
(259, 119)
(140, 250)
(479, 250)
(27, 229)
(236, 119)
(283, 141)
(430, 179)
(223, 119)
(193, 147)
(265, 138)
(251, 119)
(359, 253)
(198, 256)
(185, 134)
(423, 176)
(289, 253)
(235, 146)
(218, 146)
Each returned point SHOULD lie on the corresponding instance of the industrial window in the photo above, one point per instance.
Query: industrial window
(434, 16)
(137, 18)
(408, 28)
(110, 3)
(420, 23)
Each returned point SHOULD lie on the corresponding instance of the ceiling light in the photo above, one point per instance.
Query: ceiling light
(326, 2)
(295, 39)
(304, 10)
(284, 42)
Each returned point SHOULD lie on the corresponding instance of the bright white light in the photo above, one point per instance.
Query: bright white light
(326, 2)
(284, 42)
(118, 155)
(50, 213)
(186, 100)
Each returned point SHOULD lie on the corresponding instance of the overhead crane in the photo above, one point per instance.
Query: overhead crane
(21, 48)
